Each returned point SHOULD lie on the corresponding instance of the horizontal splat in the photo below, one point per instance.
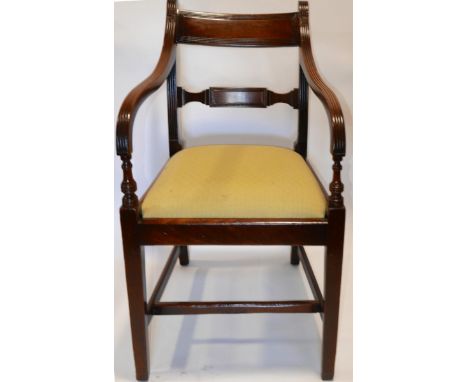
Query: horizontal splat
(237, 97)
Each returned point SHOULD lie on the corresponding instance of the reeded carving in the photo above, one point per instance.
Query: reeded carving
(318, 86)
(303, 121)
(136, 97)
(133, 101)
(329, 101)
(172, 101)
(128, 186)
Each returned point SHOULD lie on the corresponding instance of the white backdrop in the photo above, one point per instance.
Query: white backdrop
(139, 28)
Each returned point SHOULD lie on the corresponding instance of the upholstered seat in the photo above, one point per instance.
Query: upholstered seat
(235, 181)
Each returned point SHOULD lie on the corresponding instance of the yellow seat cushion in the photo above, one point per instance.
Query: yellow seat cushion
(235, 181)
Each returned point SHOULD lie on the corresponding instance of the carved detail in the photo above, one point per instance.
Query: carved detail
(336, 186)
(128, 186)
(172, 103)
(136, 97)
(289, 98)
(303, 120)
(237, 97)
(330, 102)
(184, 96)
(318, 86)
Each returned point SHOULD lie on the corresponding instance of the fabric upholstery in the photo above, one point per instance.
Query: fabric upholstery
(235, 181)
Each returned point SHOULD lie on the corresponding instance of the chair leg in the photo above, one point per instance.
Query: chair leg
(135, 274)
(294, 255)
(333, 267)
(184, 256)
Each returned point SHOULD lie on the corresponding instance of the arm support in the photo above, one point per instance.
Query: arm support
(329, 101)
(136, 97)
(133, 101)
(318, 86)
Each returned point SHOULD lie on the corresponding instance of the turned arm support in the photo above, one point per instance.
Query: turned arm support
(133, 101)
(329, 101)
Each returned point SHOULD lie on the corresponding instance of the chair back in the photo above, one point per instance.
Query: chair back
(237, 30)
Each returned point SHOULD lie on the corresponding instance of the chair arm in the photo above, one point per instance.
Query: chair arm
(329, 101)
(318, 86)
(133, 101)
(136, 97)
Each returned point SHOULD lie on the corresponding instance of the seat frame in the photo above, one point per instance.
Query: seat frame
(265, 30)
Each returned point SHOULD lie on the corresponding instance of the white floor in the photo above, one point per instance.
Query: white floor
(267, 347)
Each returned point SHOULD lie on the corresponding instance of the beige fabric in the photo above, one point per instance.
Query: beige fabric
(235, 181)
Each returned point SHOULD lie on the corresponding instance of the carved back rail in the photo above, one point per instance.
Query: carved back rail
(264, 30)
(237, 97)
(241, 30)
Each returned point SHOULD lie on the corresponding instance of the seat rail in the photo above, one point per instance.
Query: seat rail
(231, 231)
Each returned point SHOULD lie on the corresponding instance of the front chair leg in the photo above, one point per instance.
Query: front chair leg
(135, 274)
(184, 255)
(333, 267)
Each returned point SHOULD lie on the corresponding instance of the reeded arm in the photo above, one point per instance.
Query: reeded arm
(329, 101)
(136, 97)
(133, 101)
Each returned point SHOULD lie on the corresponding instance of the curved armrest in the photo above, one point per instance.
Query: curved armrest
(331, 104)
(136, 97)
(318, 86)
(130, 107)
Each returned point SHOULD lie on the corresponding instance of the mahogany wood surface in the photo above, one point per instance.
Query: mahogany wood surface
(240, 97)
(172, 119)
(316, 83)
(184, 258)
(136, 97)
(294, 257)
(136, 289)
(164, 278)
(303, 121)
(232, 231)
(314, 286)
(333, 266)
(265, 30)
(235, 307)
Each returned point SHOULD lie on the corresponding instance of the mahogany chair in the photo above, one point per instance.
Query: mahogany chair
(233, 194)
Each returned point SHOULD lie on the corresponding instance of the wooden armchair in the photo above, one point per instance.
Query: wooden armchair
(233, 194)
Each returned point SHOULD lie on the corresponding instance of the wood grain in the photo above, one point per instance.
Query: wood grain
(216, 29)
(237, 97)
(172, 118)
(232, 231)
(235, 307)
(318, 86)
(136, 97)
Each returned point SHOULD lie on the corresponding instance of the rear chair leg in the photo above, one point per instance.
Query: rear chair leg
(295, 255)
(135, 274)
(184, 255)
